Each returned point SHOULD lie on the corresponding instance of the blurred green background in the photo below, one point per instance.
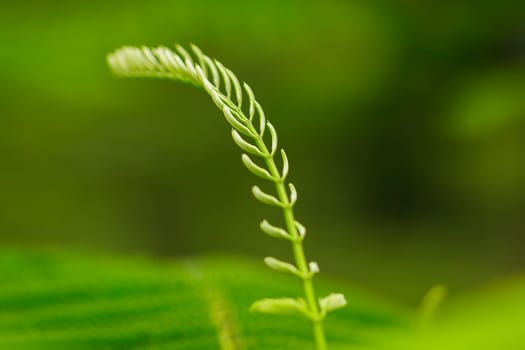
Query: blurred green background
(404, 122)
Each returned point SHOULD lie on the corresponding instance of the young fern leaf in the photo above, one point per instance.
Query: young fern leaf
(245, 145)
(286, 166)
(265, 198)
(293, 194)
(314, 267)
(234, 121)
(282, 306)
(332, 302)
(227, 92)
(281, 266)
(273, 133)
(256, 169)
(274, 231)
(300, 229)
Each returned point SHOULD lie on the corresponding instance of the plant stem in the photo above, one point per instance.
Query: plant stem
(163, 63)
(297, 246)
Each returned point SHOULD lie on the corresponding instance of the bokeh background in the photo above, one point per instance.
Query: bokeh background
(404, 122)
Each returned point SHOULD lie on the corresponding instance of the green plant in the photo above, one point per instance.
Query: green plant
(250, 130)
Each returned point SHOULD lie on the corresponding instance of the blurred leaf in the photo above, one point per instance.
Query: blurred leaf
(489, 103)
(65, 301)
(491, 319)
(487, 320)
(71, 301)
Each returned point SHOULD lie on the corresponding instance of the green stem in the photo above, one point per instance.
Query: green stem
(297, 246)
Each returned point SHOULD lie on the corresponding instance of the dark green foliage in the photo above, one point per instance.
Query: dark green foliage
(411, 113)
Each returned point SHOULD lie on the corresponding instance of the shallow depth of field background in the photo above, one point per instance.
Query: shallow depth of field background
(404, 123)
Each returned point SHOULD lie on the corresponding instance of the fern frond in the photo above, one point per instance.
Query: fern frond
(227, 92)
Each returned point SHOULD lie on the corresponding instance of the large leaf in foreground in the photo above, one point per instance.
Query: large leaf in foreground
(68, 301)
